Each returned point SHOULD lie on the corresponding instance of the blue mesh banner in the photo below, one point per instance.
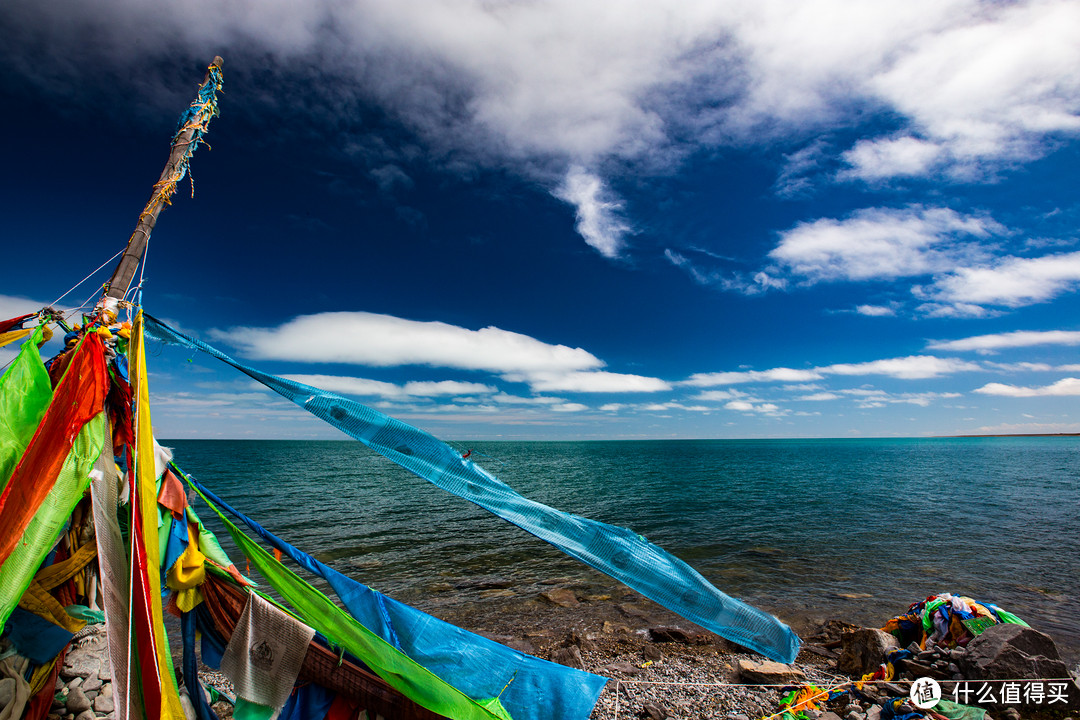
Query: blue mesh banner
(479, 667)
(615, 551)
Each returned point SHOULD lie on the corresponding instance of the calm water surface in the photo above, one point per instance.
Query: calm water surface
(855, 529)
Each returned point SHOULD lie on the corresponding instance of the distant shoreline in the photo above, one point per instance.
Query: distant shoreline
(1005, 435)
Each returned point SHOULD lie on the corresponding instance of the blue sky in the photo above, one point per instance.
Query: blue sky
(572, 219)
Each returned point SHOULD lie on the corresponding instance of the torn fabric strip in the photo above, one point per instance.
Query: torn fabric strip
(616, 551)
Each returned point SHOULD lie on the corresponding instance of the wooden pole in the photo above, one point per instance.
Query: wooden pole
(163, 190)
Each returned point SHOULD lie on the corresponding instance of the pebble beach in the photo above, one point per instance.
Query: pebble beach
(659, 666)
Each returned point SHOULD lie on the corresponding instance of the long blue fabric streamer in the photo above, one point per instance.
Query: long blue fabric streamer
(203, 711)
(612, 550)
(477, 666)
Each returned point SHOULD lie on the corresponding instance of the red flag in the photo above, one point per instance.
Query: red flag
(79, 397)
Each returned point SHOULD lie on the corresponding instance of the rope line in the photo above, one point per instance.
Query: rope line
(118, 254)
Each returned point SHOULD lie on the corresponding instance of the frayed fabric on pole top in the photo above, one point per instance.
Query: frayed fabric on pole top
(613, 550)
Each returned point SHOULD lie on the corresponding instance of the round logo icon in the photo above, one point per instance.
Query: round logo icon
(925, 693)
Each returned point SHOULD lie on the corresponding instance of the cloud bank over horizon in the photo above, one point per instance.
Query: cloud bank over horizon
(578, 95)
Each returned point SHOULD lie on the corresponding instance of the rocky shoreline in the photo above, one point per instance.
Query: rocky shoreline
(661, 667)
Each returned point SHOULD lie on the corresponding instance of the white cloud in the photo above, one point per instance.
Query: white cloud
(760, 408)
(507, 399)
(589, 382)
(819, 397)
(882, 244)
(569, 407)
(953, 310)
(681, 261)
(14, 306)
(1024, 367)
(915, 367)
(719, 395)
(360, 338)
(875, 398)
(1065, 387)
(794, 178)
(1011, 281)
(992, 85)
(878, 159)
(747, 376)
(599, 218)
(1000, 341)
(346, 385)
(875, 310)
(543, 87)
(349, 385)
(445, 387)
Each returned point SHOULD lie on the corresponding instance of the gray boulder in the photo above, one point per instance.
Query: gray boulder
(653, 711)
(863, 650)
(569, 656)
(77, 702)
(768, 672)
(672, 634)
(1008, 651)
(91, 683)
(104, 704)
(90, 657)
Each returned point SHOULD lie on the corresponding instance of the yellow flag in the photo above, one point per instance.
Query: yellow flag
(146, 481)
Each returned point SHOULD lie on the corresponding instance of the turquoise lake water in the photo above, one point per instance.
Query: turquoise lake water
(853, 529)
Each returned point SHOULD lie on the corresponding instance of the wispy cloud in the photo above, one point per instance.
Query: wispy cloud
(876, 310)
(915, 367)
(1025, 367)
(346, 385)
(1065, 387)
(882, 244)
(796, 175)
(750, 376)
(1010, 281)
(599, 218)
(720, 396)
(869, 398)
(589, 382)
(14, 306)
(819, 397)
(958, 254)
(1000, 341)
(744, 406)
